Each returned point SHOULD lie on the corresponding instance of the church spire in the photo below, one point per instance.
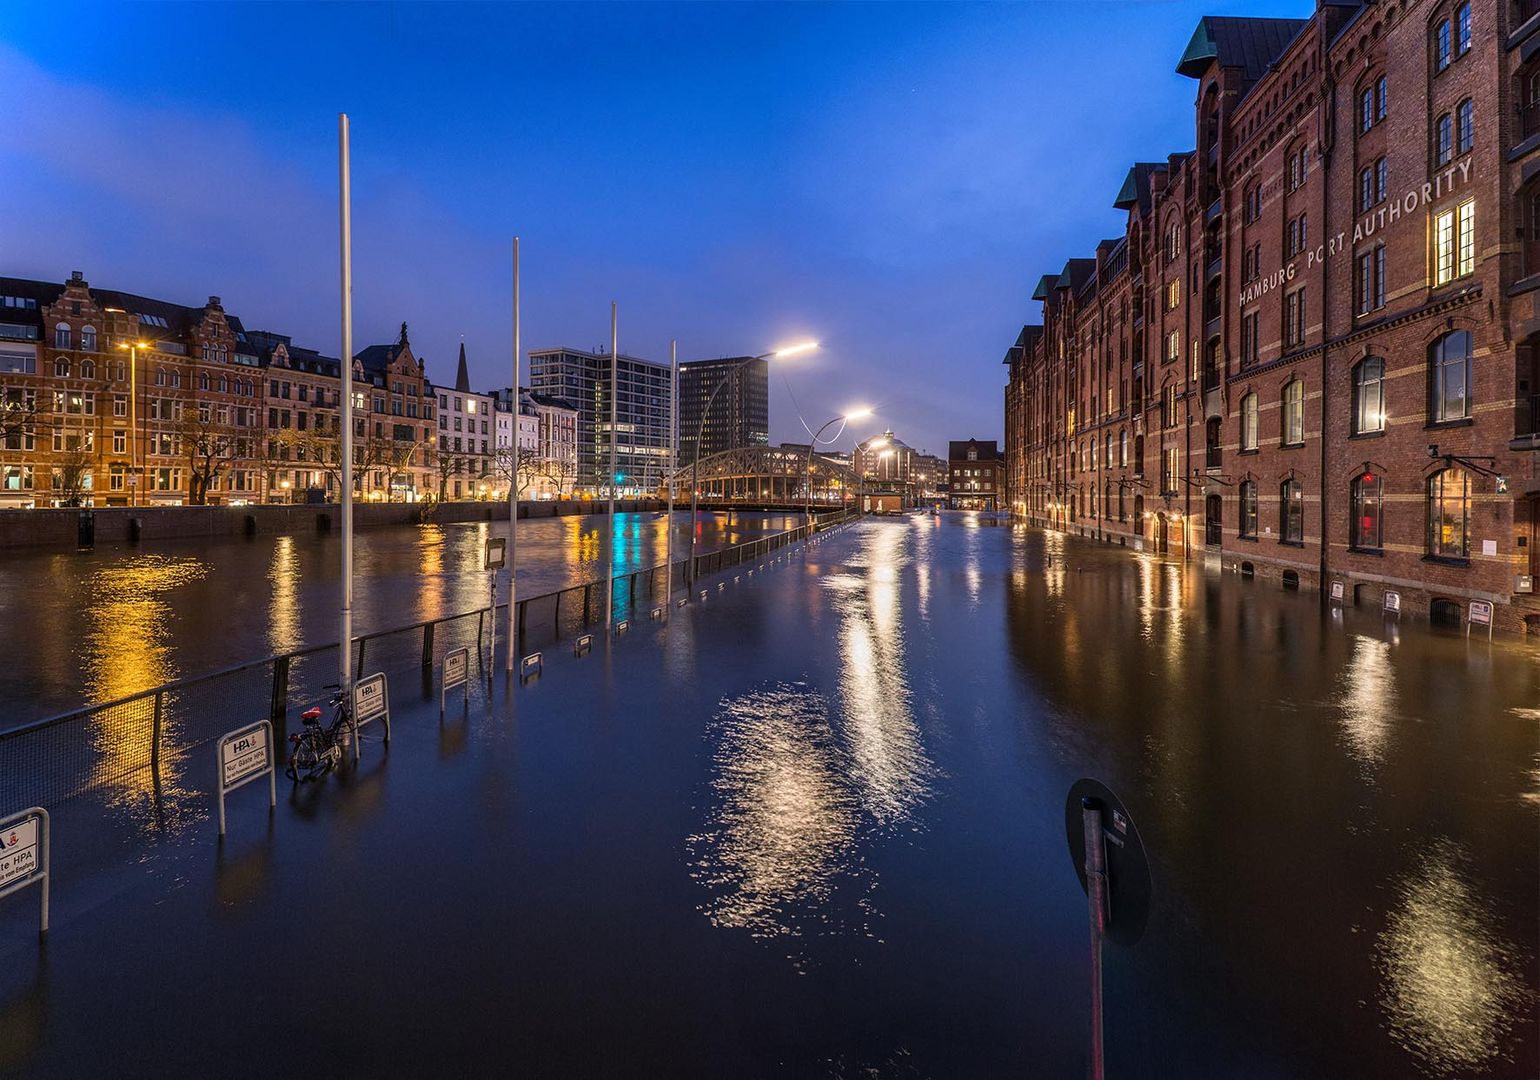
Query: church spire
(462, 376)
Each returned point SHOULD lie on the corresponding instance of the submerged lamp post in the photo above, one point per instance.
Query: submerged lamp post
(807, 495)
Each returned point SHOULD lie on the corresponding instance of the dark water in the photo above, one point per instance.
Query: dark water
(81, 628)
(815, 827)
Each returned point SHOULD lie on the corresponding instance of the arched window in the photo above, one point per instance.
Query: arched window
(1464, 127)
(1248, 514)
(61, 336)
(1291, 512)
(1449, 377)
(160, 376)
(88, 369)
(1110, 460)
(61, 367)
(1441, 50)
(1449, 514)
(1366, 502)
(1443, 140)
(1369, 396)
(88, 338)
(1294, 413)
(1249, 421)
(203, 380)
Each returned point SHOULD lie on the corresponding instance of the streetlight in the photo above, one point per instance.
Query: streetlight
(700, 431)
(807, 496)
(133, 348)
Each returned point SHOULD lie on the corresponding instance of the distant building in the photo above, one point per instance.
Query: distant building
(975, 475)
(643, 442)
(887, 466)
(930, 477)
(738, 390)
(467, 442)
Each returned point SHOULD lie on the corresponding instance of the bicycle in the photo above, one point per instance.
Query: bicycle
(317, 750)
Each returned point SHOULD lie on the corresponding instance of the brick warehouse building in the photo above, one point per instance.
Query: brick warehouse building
(1311, 353)
(112, 399)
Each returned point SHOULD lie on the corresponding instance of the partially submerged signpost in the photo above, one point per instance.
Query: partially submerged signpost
(24, 856)
(244, 755)
(1109, 859)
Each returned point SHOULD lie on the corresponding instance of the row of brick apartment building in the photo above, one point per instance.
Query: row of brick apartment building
(107, 398)
(1311, 353)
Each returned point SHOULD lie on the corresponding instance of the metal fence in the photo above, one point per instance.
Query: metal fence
(137, 746)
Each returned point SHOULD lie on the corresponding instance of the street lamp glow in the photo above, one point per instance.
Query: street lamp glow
(857, 414)
(794, 350)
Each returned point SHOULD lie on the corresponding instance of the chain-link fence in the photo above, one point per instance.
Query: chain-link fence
(139, 744)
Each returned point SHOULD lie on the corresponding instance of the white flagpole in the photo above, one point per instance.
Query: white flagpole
(609, 593)
(513, 484)
(673, 464)
(346, 198)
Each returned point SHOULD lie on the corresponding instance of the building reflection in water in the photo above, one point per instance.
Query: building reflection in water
(784, 822)
(1449, 985)
(1367, 699)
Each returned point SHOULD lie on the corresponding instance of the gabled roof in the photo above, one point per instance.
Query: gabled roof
(1251, 44)
(1075, 274)
(1045, 286)
(1136, 186)
(379, 357)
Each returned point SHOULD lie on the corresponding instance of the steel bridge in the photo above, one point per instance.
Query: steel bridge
(767, 476)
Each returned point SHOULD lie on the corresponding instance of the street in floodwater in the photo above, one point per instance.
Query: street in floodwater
(814, 826)
(78, 628)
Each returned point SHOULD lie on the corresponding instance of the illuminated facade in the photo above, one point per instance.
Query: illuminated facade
(739, 413)
(643, 445)
(1310, 354)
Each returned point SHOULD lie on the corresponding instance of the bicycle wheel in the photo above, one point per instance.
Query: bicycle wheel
(305, 763)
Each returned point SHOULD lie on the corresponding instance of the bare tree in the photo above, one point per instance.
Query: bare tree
(317, 450)
(448, 465)
(72, 474)
(21, 414)
(210, 448)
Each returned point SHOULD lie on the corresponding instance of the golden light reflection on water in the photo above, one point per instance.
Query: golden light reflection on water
(283, 616)
(785, 817)
(1366, 697)
(130, 622)
(430, 569)
(1449, 984)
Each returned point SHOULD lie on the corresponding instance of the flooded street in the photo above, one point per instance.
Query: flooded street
(814, 826)
(80, 628)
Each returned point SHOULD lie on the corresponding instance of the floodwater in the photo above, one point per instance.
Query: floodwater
(814, 827)
(82, 628)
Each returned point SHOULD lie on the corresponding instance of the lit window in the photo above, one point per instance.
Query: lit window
(1366, 500)
(1294, 413)
(1449, 514)
(1454, 242)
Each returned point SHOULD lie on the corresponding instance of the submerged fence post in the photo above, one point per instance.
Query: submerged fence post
(278, 708)
(427, 645)
(155, 734)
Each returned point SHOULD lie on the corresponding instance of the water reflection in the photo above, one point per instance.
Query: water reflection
(1367, 698)
(784, 821)
(283, 628)
(130, 619)
(878, 726)
(1449, 985)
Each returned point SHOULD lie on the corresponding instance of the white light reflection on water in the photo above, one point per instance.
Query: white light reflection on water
(782, 830)
(1449, 987)
(877, 725)
(1367, 699)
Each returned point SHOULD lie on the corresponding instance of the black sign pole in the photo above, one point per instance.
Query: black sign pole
(1096, 895)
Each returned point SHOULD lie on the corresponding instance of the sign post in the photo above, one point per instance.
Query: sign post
(243, 756)
(457, 664)
(1109, 859)
(1392, 603)
(496, 555)
(371, 701)
(1480, 615)
(1338, 591)
(24, 856)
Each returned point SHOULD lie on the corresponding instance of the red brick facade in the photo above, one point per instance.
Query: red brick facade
(1311, 354)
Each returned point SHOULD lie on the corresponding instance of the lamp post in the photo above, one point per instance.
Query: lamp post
(807, 495)
(133, 348)
(700, 431)
(873, 444)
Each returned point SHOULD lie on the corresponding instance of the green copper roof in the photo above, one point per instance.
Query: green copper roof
(1128, 194)
(1200, 50)
(1045, 285)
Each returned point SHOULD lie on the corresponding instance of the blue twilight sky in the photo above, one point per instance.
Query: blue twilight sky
(889, 179)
